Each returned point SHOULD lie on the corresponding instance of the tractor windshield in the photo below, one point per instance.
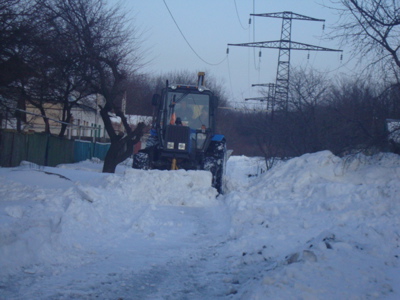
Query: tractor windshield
(189, 109)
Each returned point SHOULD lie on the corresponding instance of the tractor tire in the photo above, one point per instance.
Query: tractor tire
(144, 158)
(215, 162)
(141, 160)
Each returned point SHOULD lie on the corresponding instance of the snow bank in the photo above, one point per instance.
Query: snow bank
(329, 225)
(313, 227)
(42, 224)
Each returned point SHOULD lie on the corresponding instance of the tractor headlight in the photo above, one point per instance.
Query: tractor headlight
(170, 145)
(181, 146)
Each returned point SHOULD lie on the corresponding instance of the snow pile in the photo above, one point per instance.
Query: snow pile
(38, 222)
(314, 227)
(331, 227)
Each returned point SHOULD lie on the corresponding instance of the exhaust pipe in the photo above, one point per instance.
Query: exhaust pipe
(200, 79)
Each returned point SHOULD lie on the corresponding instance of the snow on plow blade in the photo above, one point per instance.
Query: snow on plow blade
(190, 188)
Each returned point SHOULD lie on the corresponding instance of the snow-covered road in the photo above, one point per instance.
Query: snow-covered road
(313, 227)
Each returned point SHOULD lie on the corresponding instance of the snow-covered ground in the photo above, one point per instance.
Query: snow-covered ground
(314, 227)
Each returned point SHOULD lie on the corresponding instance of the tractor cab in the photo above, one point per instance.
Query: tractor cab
(185, 123)
(186, 110)
(183, 132)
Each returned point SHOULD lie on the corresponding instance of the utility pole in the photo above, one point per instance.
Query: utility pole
(270, 98)
(285, 45)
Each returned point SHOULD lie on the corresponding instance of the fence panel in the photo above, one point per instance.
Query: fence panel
(12, 149)
(60, 151)
(36, 148)
(5, 148)
(100, 150)
(82, 150)
(19, 150)
(86, 150)
(46, 150)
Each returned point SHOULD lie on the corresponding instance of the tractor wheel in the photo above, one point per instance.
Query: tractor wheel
(215, 162)
(141, 160)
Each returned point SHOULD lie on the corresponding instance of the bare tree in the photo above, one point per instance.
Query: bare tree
(15, 38)
(308, 91)
(139, 93)
(15, 30)
(39, 64)
(59, 40)
(371, 27)
(108, 52)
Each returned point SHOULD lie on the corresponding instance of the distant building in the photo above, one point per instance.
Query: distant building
(86, 121)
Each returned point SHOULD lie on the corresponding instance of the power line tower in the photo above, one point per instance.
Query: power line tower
(270, 95)
(285, 45)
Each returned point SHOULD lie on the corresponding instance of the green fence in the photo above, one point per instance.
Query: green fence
(45, 150)
(13, 148)
(86, 150)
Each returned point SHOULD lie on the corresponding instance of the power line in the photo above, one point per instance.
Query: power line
(190, 46)
(229, 73)
(285, 45)
(237, 13)
(254, 38)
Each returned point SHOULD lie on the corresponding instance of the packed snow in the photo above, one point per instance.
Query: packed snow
(313, 227)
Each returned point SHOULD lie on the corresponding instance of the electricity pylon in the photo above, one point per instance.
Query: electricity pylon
(269, 98)
(285, 45)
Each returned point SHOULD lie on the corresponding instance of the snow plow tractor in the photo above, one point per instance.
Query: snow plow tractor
(183, 133)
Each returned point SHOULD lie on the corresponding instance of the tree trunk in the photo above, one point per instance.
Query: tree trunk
(121, 146)
(67, 119)
(19, 115)
(45, 120)
(121, 149)
(111, 159)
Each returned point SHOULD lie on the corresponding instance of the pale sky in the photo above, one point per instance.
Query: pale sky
(210, 25)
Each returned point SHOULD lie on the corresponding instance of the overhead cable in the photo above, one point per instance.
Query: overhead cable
(190, 46)
(237, 13)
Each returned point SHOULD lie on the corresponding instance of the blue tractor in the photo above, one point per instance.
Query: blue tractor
(183, 133)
